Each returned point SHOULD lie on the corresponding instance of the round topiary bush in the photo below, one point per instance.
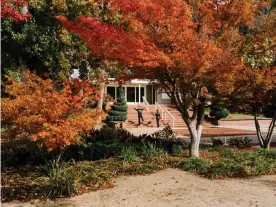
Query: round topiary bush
(219, 112)
(118, 111)
(269, 111)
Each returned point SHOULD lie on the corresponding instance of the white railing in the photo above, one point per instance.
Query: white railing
(165, 113)
(172, 117)
(145, 103)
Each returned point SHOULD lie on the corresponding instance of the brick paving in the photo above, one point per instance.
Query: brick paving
(226, 128)
(217, 132)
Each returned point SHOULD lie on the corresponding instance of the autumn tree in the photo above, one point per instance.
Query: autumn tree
(39, 42)
(15, 10)
(54, 119)
(255, 88)
(189, 47)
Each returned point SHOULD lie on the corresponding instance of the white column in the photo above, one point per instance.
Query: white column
(125, 93)
(139, 94)
(152, 94)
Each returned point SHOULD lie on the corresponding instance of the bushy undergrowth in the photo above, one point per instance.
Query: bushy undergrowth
(217, 142)
(62, 181)
(151, 151)
(129, 154)
(108, 153)
(233, 164)
(194, 164)
(95, 145)
(240, 142)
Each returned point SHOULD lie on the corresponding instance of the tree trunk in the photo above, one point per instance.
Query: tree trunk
(194, 145)
(22, 68)
(265, 142)
(195, 128)
(270, 132)
(258, 130)
(100, 102)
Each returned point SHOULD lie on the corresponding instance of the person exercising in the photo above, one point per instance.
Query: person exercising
(140, 114)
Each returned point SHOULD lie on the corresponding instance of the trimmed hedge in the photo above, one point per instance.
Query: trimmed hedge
(269, 111)
(219, 112)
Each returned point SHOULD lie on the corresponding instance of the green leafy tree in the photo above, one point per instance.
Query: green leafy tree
(118, 111)
(42, 44)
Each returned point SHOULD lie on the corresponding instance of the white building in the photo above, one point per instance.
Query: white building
(136, 89)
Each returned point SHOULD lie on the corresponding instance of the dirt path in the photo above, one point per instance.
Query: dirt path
(173, 187)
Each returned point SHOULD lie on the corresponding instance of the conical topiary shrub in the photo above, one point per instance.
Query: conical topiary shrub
(118, 111)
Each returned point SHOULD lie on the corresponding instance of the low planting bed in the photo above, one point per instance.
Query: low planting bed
(92, 164)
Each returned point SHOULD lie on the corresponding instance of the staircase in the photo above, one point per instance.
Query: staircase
(178, 123)
(149, 117)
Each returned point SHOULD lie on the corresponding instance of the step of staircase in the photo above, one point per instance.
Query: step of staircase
(149, 117)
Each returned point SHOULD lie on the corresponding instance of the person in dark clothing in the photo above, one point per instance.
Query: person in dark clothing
(140, 114)
(157, 116)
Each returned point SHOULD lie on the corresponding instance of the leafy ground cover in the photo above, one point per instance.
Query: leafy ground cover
(29, 172)
(72, 178)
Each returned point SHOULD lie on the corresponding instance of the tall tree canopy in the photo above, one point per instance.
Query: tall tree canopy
(255, 87)
(188, 46)
(15, 10)
(36, 40)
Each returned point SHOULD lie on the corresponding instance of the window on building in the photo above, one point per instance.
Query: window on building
(111, 91)
(142, 93)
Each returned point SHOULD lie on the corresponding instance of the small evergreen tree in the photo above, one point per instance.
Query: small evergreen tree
(118, 111)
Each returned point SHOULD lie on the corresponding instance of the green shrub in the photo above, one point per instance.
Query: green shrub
(194, 164)
(225, 168)
(240, 164)
(219, 112)
(21, 152)
(269, 154)
(62, 181)
(217, 142)
(177, 149)
(109, 134)
(80, 151)
(165, 134)
(167, 140)
(240, 142)
(260, 166)
(151, 150)
(118, 111)
(228, 153)
(268, 111)
(129, 154)
(105, 143)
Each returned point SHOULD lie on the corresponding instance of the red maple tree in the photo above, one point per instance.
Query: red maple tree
(187, 46)
(16, 10)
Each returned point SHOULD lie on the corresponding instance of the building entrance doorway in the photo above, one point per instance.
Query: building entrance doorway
(132, 93)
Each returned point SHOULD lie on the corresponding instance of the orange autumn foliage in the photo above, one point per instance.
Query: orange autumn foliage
(36, 110)
(186, 46)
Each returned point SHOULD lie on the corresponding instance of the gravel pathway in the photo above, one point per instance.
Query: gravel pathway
(171, 188)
